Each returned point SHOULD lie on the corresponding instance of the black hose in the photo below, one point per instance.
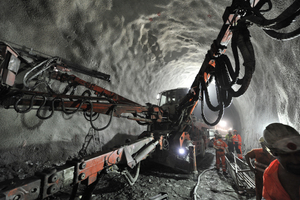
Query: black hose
(70, 112)
(284, 23)
(91, 120)
(81, 103)
(283, 36)
(94, 116)
(223, 81)
(261, 3)
(220, 114)
(225, 76)
(25, 110)
(258, 19)
(52, 108)
(224, 61)
(245, 46)
(208, 102)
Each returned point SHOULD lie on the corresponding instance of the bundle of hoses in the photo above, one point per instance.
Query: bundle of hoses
(224, 74)
(271, 26)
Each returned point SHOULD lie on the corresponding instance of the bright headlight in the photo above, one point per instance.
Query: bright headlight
(181, 151)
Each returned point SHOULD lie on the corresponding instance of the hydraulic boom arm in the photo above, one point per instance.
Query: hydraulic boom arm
(216, 65)
(26, 79)
(84, 171)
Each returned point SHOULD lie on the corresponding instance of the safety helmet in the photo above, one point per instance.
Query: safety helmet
(219, 136)
(281, 138)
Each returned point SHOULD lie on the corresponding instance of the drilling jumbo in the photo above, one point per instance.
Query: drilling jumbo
(173, 136)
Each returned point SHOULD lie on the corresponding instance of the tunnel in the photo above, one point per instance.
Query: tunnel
(146, 47)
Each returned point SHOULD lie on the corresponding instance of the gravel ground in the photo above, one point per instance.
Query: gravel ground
(156, 180)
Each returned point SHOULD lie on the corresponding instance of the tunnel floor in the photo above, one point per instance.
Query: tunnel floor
(155, 180)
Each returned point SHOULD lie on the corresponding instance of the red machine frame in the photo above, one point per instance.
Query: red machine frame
(87, 169)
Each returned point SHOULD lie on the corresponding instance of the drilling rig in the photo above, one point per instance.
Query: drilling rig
(173, 136)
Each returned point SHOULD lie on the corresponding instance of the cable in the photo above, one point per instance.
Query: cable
(198, 182)
(46, 65)
(131, 180)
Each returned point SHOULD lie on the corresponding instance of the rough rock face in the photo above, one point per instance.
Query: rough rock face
(146, 47)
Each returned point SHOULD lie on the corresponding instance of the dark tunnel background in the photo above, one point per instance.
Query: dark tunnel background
(146, 47)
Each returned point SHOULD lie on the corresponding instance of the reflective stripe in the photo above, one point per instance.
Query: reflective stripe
(237, 138)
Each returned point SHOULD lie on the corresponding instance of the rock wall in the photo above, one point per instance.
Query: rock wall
(146, 47)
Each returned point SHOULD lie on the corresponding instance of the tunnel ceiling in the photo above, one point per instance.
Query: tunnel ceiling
(146, 47)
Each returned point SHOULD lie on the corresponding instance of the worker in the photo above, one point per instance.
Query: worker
(262, 160)
(282, 177)
(216, 135)
(228, 138)
(220, 147)
(237, 141)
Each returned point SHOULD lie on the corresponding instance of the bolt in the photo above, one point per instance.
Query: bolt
(82, 176)
(52, 189)
(53, 178)
(82, 165)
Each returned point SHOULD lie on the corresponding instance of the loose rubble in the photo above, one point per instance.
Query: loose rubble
(154, 181)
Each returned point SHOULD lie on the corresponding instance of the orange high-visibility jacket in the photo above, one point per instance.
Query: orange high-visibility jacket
(262, 158)
(219, 143)
(237, 138)
(273, 189)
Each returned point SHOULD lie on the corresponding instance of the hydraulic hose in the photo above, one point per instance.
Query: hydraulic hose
(131, 180)
(283, 36)
(225, 76)
(258, 19)
(43, 104)
(208, 102)
(196, 187)
(282, 21)
(261, 3)
(220, 114)
(27, 109)
(91, 117)
(242, 41)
